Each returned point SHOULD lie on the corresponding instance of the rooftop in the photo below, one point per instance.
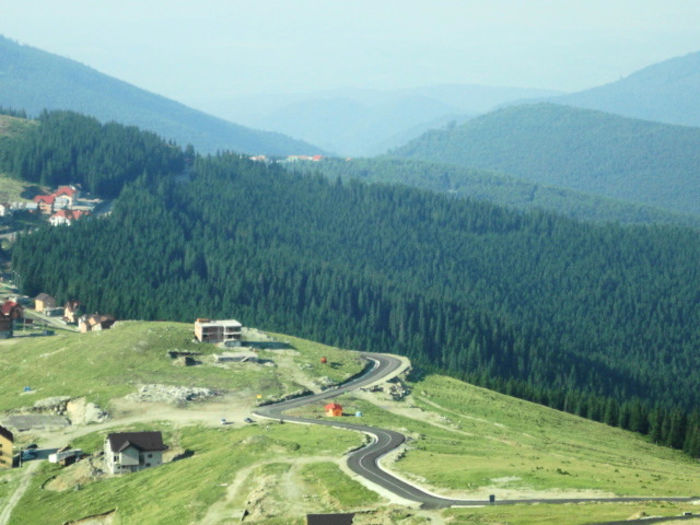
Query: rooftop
(144, 441)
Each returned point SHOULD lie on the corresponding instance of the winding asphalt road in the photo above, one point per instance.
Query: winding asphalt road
(364, 461)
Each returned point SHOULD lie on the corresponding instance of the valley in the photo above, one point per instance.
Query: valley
(491, 316)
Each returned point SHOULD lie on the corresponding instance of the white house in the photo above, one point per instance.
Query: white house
(133, 451)
(62, 202)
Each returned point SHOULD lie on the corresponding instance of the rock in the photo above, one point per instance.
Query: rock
(53, 405)
(79, 411)
(324, 381)
(186, 361)
(398, 389)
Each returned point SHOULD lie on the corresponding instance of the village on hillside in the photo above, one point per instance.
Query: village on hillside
(61, 207)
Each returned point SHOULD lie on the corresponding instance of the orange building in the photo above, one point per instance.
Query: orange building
(7, 440)
(334, 409)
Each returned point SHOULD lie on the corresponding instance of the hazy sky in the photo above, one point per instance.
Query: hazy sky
(191, 50)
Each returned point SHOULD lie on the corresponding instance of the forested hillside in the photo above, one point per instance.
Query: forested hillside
(588, 151)
(598, 320)
(35, 80)
(489, 186)
(664, 92)
(67, 148)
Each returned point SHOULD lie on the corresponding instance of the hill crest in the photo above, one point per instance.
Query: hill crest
(579, 149)
(663, 92)
(34, 80)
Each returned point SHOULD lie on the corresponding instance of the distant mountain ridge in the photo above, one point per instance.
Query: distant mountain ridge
(34, 80)
(359, 122)
(664, 92)
(579, 149)
(503, 190)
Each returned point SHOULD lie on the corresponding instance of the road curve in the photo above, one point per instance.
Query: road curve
(364, 461)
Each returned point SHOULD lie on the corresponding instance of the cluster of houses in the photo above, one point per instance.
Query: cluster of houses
(60, 206)
(72, 313)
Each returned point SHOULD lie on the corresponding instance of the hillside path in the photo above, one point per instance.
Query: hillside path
(18, 493)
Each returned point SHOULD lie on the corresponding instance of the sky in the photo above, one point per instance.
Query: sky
(214, 49)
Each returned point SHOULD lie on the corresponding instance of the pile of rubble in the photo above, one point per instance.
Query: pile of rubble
(170, 394)
(56, 411)
(77, 410)
(395, 387)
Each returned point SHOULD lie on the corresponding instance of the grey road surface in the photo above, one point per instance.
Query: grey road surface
(364, 461)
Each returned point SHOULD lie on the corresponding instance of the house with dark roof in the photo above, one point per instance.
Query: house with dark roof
(95, 322)
(7, 442)
(44, 301)
(133, 451)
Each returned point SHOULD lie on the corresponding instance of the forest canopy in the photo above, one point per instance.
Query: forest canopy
(599, 320)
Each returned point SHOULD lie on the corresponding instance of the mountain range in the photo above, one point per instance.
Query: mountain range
(589, 151)
(361, 122)
(664, 92)
(35, 80)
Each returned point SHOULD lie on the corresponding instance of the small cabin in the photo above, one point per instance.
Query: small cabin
(334, 410)
(44, 301)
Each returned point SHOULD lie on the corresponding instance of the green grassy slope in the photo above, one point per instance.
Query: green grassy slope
(182, 492)
(494, 187)
(34, 80)
(11, 189)
(464, 440)
(470, 442)
(112, 363)
(583, 150)
(10, 126)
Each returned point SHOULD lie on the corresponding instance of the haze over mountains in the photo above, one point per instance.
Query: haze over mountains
(361, 122)
(35, 80)
(576, 149)
(665, 92)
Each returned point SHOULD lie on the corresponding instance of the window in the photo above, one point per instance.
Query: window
(150, 455)
(148, 464)
(116, 458)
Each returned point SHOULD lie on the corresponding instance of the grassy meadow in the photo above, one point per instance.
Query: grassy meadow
(470, 442)
(112, 363)
(184, 491)
(464, 441)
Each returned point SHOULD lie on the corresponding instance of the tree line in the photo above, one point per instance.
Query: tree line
(69, 148)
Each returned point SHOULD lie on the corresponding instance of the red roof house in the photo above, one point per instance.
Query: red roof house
(66, 217)
(334, 410)
(45, 202)
(12, 310)
(65, 190)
